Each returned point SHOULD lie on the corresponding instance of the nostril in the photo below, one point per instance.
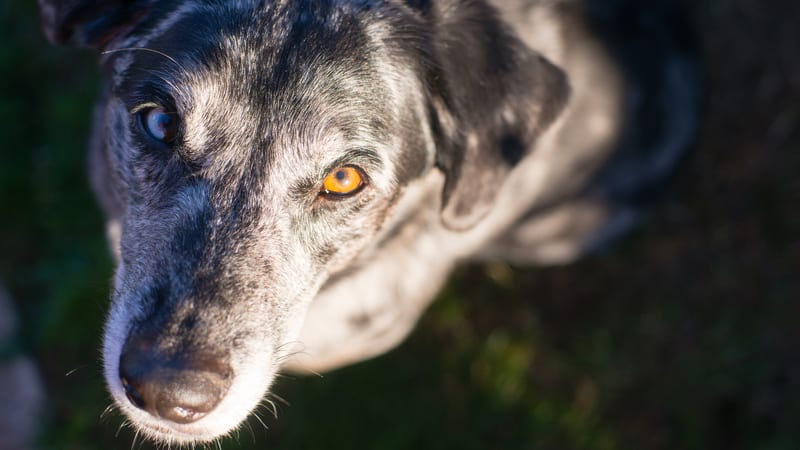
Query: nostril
(132, 395)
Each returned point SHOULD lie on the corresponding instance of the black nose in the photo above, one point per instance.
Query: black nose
(181, 388)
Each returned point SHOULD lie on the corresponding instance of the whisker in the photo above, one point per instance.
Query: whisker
(250, 429)
(121, 426)
(109, 409)
(285, 357)
(135, 437)
(255, 414)
(76, 369)
(270, 406)
(280, 399)
(236, 434)
(144, 49)
(163, 77)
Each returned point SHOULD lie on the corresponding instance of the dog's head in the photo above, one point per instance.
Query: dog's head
(254, 149)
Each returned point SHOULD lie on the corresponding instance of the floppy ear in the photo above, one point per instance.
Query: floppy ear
(90, 23)
(492, 96)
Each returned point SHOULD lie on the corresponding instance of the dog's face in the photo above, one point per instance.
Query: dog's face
(254, 161)
(252, 151)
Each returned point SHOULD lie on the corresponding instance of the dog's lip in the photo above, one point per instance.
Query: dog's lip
(170, 433)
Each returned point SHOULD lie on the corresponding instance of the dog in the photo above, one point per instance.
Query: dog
(288, 184)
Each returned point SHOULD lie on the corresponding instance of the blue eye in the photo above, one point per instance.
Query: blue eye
(160, 124)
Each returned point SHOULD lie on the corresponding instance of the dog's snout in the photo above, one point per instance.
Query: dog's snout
(182, 388)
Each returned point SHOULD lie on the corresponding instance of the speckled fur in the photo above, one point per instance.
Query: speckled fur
(485, 131)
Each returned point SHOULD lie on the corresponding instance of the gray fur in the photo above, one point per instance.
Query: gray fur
(477, 143)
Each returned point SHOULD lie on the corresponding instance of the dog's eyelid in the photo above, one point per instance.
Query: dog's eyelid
(143, 107)
(365, 159)
(150, 105)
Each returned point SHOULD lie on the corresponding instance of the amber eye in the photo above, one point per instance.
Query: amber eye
(343, 181)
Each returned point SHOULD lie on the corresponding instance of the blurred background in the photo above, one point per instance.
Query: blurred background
(684, 336)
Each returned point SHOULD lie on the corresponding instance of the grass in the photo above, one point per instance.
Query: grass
(683, 337)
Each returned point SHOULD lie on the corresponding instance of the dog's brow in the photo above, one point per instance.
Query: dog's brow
(361, 154)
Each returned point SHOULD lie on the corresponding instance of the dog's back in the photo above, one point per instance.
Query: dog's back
(631, 120)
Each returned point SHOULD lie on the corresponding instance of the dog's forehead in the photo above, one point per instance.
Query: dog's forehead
(280, 72)
(270, 45)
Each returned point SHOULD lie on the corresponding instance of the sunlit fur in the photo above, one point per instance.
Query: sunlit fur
(483, 130)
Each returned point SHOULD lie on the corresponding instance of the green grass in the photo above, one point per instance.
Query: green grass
(684, 337)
